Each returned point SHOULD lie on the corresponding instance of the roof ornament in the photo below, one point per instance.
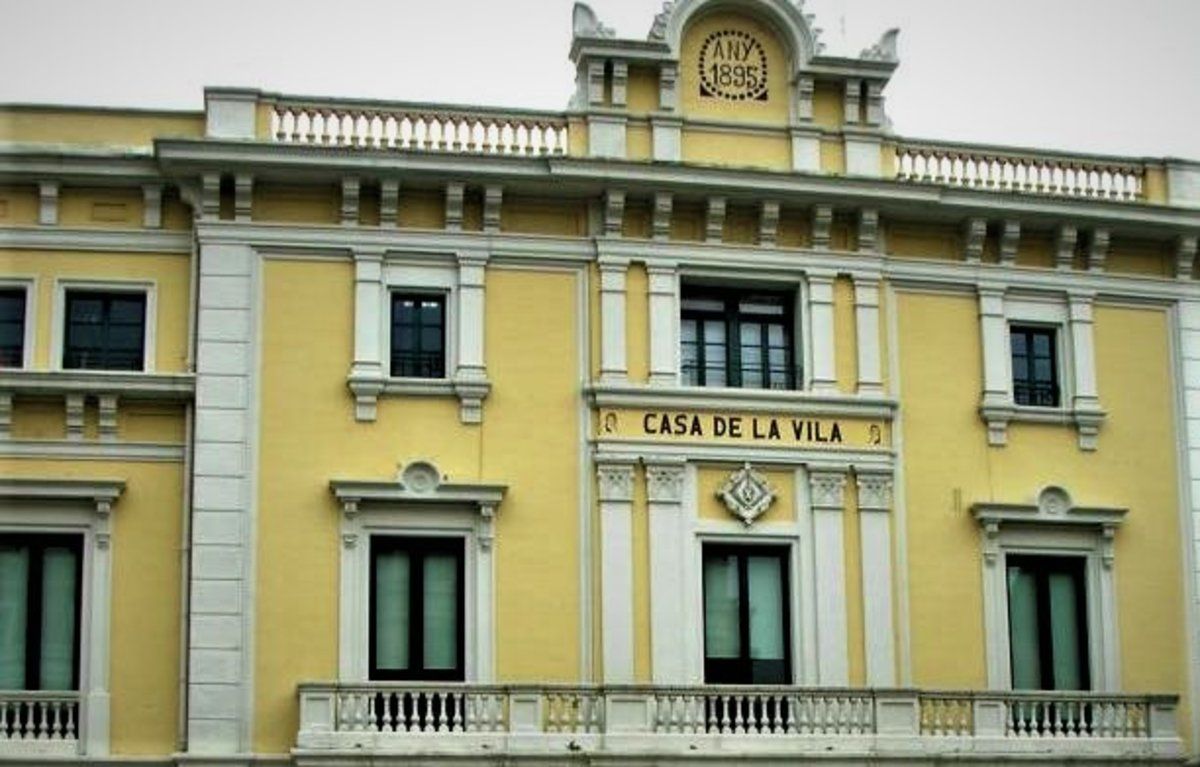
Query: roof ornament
(884, 50)
(811, 20)
(658, 30)
(585, 23)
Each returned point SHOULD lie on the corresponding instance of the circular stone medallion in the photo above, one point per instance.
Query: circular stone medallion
(733, 66)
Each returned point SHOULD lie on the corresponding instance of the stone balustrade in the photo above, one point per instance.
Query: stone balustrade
(523, 720)
(39, 723)
(417, 127)
(1000, 169)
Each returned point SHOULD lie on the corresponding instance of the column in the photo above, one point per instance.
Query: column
(1086, 401)
(820, 302)
(614, 367)
(664, 323)
(367, 373)
(874, 503)
(866, 321)
(827, 491)
(997, 383)
(470, 377)
(668, 547)
(221, 680)
(615, 480)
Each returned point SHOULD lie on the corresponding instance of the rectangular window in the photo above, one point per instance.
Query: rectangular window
(104, 330)
(418, 335)
(40, 585)
(741, 339)
(1047, 621)
(12, 327)
(1034, 366)
(746, 634)
(417, 609)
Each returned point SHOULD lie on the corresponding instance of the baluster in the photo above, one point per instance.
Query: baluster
(296, 115)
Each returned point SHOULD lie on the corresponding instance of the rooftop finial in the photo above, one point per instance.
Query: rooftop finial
(585, 23)
(884, 50)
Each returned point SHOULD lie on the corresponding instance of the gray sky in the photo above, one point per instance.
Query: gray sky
(1113, 76)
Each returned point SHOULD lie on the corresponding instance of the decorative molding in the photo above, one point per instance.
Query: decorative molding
(243, 197)
(714, 221)
(210, 196)
(822, 225)
(827, 490)
(806, 88)
(876, 115)
(75, 416)
(1064, 251)
(620, 82)
(493, 199)
(416, 482)
(1010, 241)
(455, 195)
(868, 230)
(664, 481)
(389, 202)
(614, 212)
(6, 412)
(851, 101)
(974, 233)
(152, 204)
(48, 203)
(101, 494)
(874, 491)
(615, 481)
(614, 364)
(595, 83)
(351, 194)
(77, 450)
(662, 215)
(173, 387)
(668, 93)
(107, 417)
(768, 223)
(747, 494)
(1185, 256)
(1098, 250)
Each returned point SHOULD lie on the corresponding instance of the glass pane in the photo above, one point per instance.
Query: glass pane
(687, 331)
(82, 309)
(775, 336)
(59, 578)
(703, 304)
(1020, 369)
(751, 334)
(440, 595)
(765, 582)
(1018, 344)
(12, 305)
(14, 585)
(431, 312)
(1041, 370)
(391, 610)
(1065, 632)
(1023, 629)
(1041, 345)
(431, 339)
(761, 305)
(126, 310)
(722, 637)
(714, 332)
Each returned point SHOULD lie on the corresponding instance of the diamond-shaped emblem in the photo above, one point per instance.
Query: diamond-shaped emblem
(747, 494)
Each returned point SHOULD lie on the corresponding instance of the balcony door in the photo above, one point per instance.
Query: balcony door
(746, 618)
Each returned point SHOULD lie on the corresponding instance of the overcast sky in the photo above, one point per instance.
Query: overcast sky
(1113, 76)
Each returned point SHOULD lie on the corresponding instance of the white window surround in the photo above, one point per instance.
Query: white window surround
(58, 328)
(1071, 317)
(417, 503)
(29, 284)
(377, 276)
(82, 507)
(1051, 526)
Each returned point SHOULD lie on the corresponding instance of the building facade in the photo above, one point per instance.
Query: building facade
(706, 419)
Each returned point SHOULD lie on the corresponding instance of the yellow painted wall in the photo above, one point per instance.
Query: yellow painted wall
(828, 104)
(912, 240)
(833, 156)
(1148, 258)
(637, 323)
(144, 666)
(795, 230)
(296, 204)
(80, 125)
(639, 141)
(566, 218)
(845, 335)
(18, 205)
(641, 92)
(169, 272)
(89, 207)
(529, 440)
(1036, 249)
(774, 110)
(772, 151)
(423, 209)
(949, 466)
(710, 477)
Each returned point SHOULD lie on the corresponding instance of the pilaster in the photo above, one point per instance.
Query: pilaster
(470, 378)
(820, 304)
(367, 374)
(48, 203)
(668, 536)
(1086, 400)
(664, 323)
(866, 316)
(827, 494)
(875, 535)
(614, 477)
(997, 384)
(614, 365)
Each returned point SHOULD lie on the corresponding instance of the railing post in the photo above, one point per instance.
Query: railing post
(317, 717)
(1163, 725)
(524, 711)
(990, 717)
(897, 713)
(628, 711)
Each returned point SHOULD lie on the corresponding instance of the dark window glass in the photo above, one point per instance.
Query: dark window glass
(105, 331)
(12, 327)
(1034, 366)
(418, 336)
(737, 338)
(1047, 623)
(746, 623)
(40, 583)
(416, 609)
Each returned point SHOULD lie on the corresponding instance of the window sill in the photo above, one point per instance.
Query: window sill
(367, 390)
(1086, 419)
(789, 402)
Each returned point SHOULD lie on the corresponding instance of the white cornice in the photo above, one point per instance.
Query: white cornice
(149, 452)
(153, 241)
(351, 492)
(158, 386)
(739, 400)
(100, 492)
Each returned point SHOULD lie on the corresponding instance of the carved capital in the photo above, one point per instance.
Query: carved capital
(663, 202)
(614, 212)
(822, 226)
(868, 230)
(714, 224)
(974, 233)
(768, 223)
(874, 492)
(664, 482)
(827, 490)
(615, 481)
(1010, 240)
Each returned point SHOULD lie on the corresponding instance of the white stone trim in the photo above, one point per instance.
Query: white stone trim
(864, 156)
(614, 479)
(826, 490)
(29, 285)
(230, 113)
(606, 135)
(822, 343)
(58, 322)
(866, 324)
(875, 539)
(82, 507)
(97, 241)
(1051, 525)
(664, 323)
(92, 451)
(152, 203)
(417, 503)
(614, 365)
(667, 138)
(48, 203)
(665, 485)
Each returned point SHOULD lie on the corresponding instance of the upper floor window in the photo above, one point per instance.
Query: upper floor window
(105, 330)
(740, 339)
(1035, 369)
(418, 335)
(40, 586)
(1047, 621)
(12, 327)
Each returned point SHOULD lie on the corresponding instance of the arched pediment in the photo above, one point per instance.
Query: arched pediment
(788, 21)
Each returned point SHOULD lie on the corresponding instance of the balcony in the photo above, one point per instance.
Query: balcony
(519, 721)
(36, 724)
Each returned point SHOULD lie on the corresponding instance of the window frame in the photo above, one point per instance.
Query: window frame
(29, 334)
(1058, 368)
(149, 332)
(795, 321)
(381, 541)
(411, 279)
(443, 298)
(1045, 565)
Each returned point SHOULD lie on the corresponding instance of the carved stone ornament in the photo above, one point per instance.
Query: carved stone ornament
(420, 477)
(747, 494)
